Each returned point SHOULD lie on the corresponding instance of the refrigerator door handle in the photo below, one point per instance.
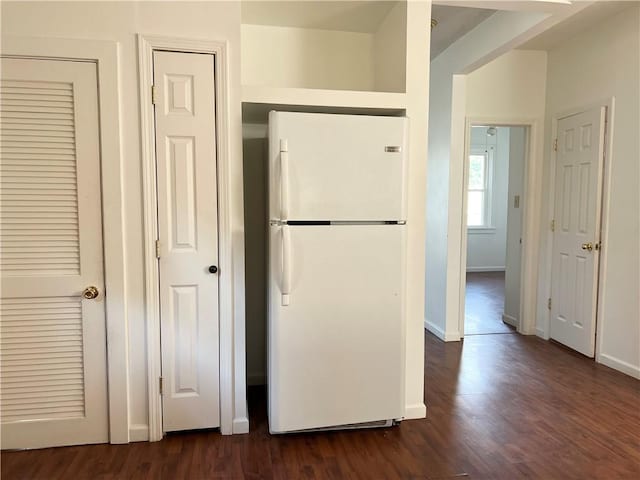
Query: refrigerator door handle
(284, 180)
(286, 265)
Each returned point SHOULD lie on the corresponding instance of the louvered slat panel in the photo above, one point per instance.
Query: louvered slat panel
(38, 179)
(41, 359)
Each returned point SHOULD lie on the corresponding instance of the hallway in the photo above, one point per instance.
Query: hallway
(484, 304)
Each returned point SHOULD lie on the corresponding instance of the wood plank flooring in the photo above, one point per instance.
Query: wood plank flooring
(484, 304)
(498, 406)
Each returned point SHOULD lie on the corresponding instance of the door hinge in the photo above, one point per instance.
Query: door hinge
(153, 94)
(160, 388)
(553, 225)
(157, 248)
(549, 304)
(555, 145)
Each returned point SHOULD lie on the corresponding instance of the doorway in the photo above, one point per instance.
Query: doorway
(54, 344)
(187, 246)
(576, 228)
(494, 181)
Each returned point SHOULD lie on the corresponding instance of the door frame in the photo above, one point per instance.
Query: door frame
(609, 104)
(529, 226)
(104, 54)
(233, 409)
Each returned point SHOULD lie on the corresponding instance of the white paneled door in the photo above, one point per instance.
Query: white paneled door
(52, 326)
(576, 237)
(188, 238)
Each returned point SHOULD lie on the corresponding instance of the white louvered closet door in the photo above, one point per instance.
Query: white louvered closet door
(53, 355)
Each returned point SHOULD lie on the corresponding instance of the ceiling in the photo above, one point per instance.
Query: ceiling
(563, 31)
(350, 16)
(454, 23)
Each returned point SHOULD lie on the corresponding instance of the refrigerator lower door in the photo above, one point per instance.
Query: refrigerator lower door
(336, 335)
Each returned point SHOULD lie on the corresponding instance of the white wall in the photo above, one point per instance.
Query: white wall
(307, 58)
(513, 271)
(486, 247)
(121, 21)
(390, 51)
(601, 62)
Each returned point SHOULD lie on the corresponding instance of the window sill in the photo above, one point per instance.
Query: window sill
(481, 230)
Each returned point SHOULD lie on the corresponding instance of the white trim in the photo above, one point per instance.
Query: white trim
(441, 334)
(509, 320)
(415, 411)
(481, 230)
(486, 269)
(609, 104)
(139, 433)
(542, 334)
(105, 55)
(532, 186)
(233, 409)
(619, 365)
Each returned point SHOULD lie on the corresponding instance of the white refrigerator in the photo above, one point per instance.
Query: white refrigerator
(337, 226)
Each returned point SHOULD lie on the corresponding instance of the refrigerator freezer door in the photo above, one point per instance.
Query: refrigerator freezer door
(337, 167)
(336, 349)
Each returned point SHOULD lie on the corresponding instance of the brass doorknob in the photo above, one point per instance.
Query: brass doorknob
(587, 246)
(90, 293)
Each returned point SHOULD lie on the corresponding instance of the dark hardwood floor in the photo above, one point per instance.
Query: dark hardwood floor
(484, 304)
(498, 407)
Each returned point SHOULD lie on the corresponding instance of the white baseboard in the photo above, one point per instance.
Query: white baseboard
(139, 433)
(255, 379)
(619, 365)
(542, 334)
(240, 425)
(433, 328)
(418, 410)
(441, 334)
(485, 269)
(509, 320)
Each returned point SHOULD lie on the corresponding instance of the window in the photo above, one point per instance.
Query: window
(478, 190)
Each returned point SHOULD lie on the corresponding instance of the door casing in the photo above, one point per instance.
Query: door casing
(233, 405)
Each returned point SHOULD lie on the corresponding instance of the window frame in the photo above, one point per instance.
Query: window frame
(488, 152)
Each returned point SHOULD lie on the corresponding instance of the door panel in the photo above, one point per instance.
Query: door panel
(187, 225)
(577, 218)
(53, 360)
(336, 350)
(336, 167)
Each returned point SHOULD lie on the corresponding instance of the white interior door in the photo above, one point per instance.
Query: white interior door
(578, 195)
(53, 360)
(336, 350)
(188, 236)
(337, 167)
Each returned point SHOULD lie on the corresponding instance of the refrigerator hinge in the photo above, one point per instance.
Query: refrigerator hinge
(284, 145)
